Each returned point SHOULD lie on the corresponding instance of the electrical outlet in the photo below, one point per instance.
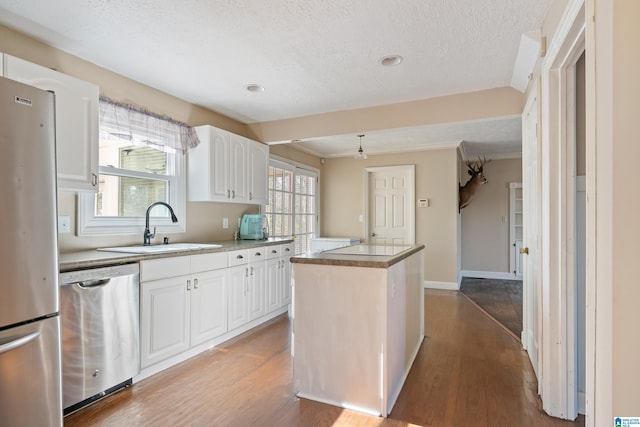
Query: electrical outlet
(225, 222)
(64, 224)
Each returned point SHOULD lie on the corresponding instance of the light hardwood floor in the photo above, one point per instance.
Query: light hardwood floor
(468, 372)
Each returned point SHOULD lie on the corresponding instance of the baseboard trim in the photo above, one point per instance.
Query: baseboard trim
(490, 275)
(449, 286)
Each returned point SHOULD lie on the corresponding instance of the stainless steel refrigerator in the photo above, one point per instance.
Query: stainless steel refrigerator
(30, 367)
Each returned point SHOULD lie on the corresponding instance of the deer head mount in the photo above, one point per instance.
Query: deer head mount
(467, 191)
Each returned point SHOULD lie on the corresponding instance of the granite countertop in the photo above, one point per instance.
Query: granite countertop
(371, 256)
(92, 258)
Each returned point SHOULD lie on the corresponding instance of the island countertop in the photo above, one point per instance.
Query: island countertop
(362, 255)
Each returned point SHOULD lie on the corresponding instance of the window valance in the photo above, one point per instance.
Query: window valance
(143, 127)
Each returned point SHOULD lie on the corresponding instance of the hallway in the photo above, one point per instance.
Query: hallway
(468, 372)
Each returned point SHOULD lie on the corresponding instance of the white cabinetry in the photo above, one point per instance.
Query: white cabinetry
(183, 304)
(76, 121)
(258, 165)
(226, 167)
(191, 303)
(278, 285)
(238, 288)
(256, 285)
(238, 168)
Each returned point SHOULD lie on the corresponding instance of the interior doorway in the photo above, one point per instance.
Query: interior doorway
(390, 213)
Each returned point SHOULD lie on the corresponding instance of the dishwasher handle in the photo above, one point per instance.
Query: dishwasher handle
(93, 283)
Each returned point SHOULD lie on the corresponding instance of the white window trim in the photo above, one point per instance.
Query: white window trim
(91, 225)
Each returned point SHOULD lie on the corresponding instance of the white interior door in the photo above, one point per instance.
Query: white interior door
(390, 210)
(530, 264)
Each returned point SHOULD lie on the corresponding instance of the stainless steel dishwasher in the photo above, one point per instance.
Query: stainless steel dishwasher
(99, 313)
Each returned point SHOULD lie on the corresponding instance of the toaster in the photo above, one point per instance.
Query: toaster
(253, 227)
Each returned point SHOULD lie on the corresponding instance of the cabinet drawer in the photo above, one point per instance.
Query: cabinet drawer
(166, 267)
(206, 262)
(257, 254)
(273, 251)
(288, 249)
(238, 257)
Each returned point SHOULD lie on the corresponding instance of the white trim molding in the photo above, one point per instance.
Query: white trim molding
(447, 286)
(501, 275)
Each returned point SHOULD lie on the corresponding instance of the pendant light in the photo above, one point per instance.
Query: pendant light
(360, 154)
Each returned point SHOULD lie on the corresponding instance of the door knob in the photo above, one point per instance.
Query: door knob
(524, 251)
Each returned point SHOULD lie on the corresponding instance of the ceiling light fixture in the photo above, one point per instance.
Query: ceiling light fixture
(254, 88)
(391, 60)
(360, 154)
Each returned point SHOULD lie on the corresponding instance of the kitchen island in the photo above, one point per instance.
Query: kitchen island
(357, 324)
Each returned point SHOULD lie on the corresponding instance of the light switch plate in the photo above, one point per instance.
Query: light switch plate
(225, 222)
(64, 224)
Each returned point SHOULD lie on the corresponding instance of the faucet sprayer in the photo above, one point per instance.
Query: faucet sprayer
(147, 233)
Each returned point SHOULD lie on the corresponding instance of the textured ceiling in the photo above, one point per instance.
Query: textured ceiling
(311, 56)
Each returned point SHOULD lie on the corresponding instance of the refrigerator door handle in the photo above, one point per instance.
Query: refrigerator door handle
(93, 283)
(11, 345)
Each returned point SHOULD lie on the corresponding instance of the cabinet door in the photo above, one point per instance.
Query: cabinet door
(257, 273)
(76, 121)
(238, 307)
(238, 168)
(272, 285)
(208, 178)
(208, 305)
(286, 252)
(164, 319)
(258, 167)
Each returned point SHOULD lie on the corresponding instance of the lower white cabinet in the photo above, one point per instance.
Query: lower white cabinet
(164, 319)
(188, 303)
(177, 313)
(278, 285)
(247, 286)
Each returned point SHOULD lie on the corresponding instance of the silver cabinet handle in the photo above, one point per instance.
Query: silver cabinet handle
(251, 271)
(188, 284)
(94, 179)
(195, 283)
(228, 194)
(239, 257)
(233, 194)
(258, 254)
(250, 195)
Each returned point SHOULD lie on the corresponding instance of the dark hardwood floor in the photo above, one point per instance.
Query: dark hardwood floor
(468, 372)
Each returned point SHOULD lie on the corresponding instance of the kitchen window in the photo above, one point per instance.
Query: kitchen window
(141, 161)
(293, 204)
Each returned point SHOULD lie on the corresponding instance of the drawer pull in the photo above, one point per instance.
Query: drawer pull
(239, 257)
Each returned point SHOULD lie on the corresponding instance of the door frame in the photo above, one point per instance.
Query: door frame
(558, 379)
(411, 190)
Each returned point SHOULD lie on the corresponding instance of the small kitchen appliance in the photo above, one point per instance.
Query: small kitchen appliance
(253, 227)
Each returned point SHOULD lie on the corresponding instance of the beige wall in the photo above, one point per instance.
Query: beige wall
(342, 201)
(485, 236)
(613, 150)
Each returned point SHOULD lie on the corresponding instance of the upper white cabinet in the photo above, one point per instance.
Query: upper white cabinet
(258, 168)
(76, 121)
(226, 167)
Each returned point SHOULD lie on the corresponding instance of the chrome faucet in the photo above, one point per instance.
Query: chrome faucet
(147, 233)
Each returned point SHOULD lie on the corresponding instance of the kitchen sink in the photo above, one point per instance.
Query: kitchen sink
(171, 247)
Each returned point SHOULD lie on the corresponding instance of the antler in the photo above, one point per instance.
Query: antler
(483, 161)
